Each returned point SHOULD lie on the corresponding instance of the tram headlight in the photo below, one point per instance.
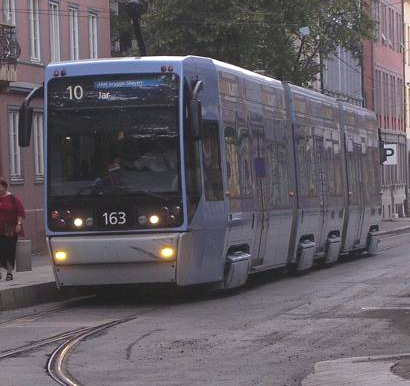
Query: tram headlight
(154, 219)
(78, 222)
(167, 253)
(60, 256)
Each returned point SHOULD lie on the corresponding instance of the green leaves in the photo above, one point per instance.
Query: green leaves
(265, 35)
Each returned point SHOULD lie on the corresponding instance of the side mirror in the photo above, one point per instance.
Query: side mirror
(195, 118)
(25, 121)
(26, 117)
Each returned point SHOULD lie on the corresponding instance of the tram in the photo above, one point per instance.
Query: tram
(187, 170)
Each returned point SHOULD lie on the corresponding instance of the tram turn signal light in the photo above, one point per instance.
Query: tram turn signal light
(167, 253)
(60, 256)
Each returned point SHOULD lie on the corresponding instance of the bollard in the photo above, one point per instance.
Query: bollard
(23, 256)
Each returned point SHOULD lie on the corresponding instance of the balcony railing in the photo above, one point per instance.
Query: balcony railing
(9, 53)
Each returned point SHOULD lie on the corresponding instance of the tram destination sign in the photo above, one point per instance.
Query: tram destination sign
(92, 91)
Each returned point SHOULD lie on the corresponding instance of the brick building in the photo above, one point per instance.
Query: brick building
(46, 31)
(383, 86)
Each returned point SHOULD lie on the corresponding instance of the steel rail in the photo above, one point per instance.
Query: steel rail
(57, 360)
(68, 304)
(43, 342)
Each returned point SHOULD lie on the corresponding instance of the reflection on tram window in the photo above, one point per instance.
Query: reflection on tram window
(141, 149)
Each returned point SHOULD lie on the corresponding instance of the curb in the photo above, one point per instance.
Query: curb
(31, 295)
(357, 371)
(394, 231)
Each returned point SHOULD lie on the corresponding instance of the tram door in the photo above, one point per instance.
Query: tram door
(259, 162)
(274, 216)
(322, 183)
(355, 193)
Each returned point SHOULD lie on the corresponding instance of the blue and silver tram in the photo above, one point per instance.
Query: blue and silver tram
(188, 170)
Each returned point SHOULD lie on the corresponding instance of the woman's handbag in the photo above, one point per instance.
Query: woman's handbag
(9, 230)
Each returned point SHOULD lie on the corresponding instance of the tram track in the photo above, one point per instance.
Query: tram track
(39, 343)
(70, 339)
(38, 315)
(56, 363)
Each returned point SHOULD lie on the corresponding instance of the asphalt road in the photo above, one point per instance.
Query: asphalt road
(272, 332)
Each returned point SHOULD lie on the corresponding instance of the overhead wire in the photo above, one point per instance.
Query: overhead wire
(101, 12)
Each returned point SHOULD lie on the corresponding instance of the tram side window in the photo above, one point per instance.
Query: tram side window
(355, 171)
(278, 156)
(367, 175)
(193, 170)
(371, 176)
(333, 168)
(245, 164)
(212, 161)
(375, 166)
(330, 168)
(306, 167)
(338, 169)
(232, 162)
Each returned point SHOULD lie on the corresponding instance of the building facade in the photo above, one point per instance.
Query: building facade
(383, 86)
(46, 31)
(342, 77)
(406, 17)
(378, 84)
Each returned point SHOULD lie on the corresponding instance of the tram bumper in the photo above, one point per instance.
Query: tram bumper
(116, 259)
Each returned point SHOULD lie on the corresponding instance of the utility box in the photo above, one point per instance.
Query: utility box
(23, 256)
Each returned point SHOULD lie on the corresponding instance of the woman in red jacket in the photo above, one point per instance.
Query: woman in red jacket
(11, 219)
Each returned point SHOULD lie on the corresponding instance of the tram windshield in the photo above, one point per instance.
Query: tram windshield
(111, 137)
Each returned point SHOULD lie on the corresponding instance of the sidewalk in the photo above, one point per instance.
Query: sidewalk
(31, 287)
(395, 226)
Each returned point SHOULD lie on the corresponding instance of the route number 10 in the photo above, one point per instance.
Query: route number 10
(75, 92)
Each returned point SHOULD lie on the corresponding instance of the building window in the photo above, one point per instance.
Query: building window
(38, 146)
(14, 149)
(74, 47)
(408, 44)
(34, 30)
(54, 32)
(9, 11)
(93, 37)
(114, 8)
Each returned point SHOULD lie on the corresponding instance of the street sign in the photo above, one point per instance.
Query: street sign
(390, 150)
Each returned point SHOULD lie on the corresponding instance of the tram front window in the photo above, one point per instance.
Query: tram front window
(114, 158)
(119, 155)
